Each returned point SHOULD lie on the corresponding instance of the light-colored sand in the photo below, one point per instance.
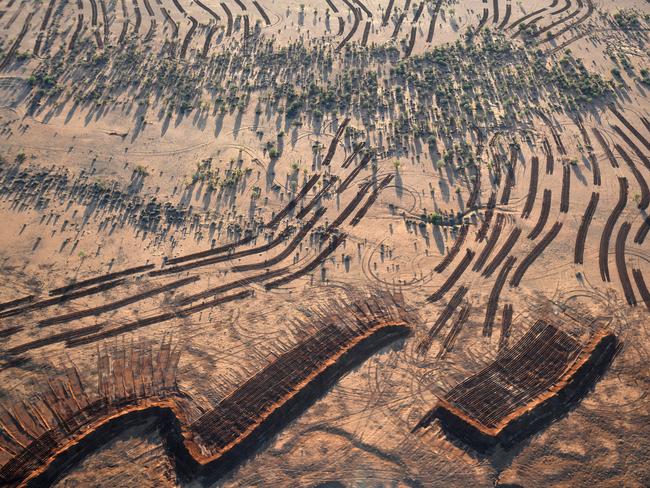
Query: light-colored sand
(358, 434)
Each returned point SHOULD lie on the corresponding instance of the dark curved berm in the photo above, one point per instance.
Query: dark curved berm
(527, 387)
(206, 445)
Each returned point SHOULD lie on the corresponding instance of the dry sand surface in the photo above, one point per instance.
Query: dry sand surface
(486, 162)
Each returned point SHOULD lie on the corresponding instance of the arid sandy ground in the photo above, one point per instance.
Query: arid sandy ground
(134, 131)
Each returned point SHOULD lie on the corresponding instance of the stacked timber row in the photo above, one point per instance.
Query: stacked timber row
(525, 388)
(43, 437)
(344, 336)
(34, 432)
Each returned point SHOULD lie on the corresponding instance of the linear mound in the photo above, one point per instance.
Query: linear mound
(36, 431)
(205, 440)
(239, 420)
(527, 386)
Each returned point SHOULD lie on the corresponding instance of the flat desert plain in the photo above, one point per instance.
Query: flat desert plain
(260, 242)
